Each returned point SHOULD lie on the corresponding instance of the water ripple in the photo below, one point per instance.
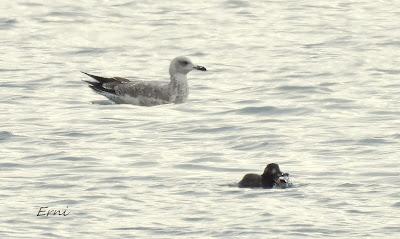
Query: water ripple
(312, 86)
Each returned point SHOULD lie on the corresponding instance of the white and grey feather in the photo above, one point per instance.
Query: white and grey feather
(148, 93)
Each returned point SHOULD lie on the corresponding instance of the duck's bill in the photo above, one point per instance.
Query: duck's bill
(282, 179)
(200, 68)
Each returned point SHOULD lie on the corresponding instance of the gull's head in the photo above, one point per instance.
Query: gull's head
(183, 65)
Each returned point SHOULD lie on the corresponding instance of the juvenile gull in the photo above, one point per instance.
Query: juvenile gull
(148, 93)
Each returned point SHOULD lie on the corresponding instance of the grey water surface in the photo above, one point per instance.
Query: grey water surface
(309, 84)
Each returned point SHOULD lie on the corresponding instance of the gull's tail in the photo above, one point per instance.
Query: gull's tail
(99, 78)
(98, 85)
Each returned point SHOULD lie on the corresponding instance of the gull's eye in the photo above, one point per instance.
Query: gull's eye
(184, 63)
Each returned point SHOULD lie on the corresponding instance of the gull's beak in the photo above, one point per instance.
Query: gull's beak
(200, 68)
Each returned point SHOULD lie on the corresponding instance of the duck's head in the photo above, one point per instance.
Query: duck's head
(183, 65)
(272, 175)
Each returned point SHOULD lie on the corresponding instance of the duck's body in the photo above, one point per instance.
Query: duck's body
(148, 93)
(270, 178)
(250, 180)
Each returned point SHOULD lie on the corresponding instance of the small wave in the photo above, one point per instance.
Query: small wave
(236, 4)
(270, 110)
(66, 14)
(349, 185)
(214, 130)
(231, 185)
(336, 100)
(206, 168)
(197, 219)
(75, 158)
(339, 141)
(373, 141)
(397, 204)
(212, 159)
(7, 23)
(303, 89)
(5, 135)
(89, 50)
(385, 113)
(395, 136)
(297, 88)
(10, 165)
(65, 202)
(390, 43)
(386, 71)
(145, 164)
(247, 102)
(103, 102)
(251, 146)
(12, 70)
(127, 4)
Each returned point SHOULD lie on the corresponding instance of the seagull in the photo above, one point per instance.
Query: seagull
(148, 93)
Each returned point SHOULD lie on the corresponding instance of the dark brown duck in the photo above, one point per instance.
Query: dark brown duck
(272, 176)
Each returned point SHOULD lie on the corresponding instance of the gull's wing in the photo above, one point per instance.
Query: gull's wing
(144, 89)
(121, 90)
